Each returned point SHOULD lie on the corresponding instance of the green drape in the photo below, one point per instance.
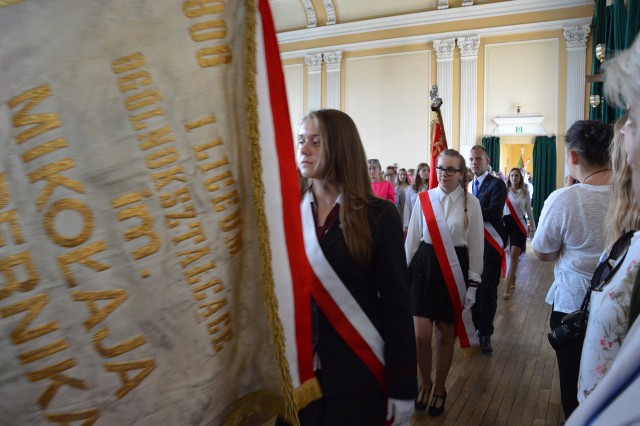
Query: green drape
(616, 26)
(544, 172)
(492, 145)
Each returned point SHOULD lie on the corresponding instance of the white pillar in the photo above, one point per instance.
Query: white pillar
(468, 91)
(467, 2)
(443, 4)
(576, 38)
(314, 83)
(444, 60)
(334, 64)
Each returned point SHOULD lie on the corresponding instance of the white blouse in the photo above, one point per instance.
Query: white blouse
(453, 208)
(410, 201)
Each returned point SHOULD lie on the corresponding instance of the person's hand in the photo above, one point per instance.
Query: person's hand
(399, 410)
(470, 296)
(569, 180)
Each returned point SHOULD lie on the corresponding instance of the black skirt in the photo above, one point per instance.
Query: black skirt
(429, 294)
(516, 237)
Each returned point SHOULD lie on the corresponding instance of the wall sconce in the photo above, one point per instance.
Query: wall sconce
(518, 107)
(601, 50)
(594, 100)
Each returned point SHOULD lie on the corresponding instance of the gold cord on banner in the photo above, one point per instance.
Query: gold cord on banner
(9, 2)
(268, 285)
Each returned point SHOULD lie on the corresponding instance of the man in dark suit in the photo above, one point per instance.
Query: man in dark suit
(492, 194)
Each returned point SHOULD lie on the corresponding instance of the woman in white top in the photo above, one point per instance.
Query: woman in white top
(519, 200)
(431, 304)
(571, 231)
(420, 183)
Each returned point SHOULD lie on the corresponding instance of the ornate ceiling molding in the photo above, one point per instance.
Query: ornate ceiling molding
(428, 38)
(331, 12)
(312, 20)
(429, 18)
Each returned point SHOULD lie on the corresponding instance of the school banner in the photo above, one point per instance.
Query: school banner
(135, 281)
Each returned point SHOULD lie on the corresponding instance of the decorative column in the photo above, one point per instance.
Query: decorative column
(467, 2)
(444, 61)
(334, 63)
(576, 38)
(443, 4)
(468, 91)
(314, 83)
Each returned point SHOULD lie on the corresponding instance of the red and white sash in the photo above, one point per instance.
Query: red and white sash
(493, 237)
(450, 266)
(517, 213)
(338, 304)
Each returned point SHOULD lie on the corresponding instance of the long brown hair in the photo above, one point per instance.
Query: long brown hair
(623, 214)
(344, 163)
(462, 181)
(521, 185)
(418, 183)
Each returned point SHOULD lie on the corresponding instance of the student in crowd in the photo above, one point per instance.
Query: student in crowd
(381, 187)
(401, 190)
(615, 399)
(570, 232)
(355, 240)
(517, 205)
(492, 194)
(420, 184)
(610, 298)
(391, 174)
(446, 210)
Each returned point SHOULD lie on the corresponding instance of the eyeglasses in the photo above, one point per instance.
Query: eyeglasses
(608, 267)
(449, 171)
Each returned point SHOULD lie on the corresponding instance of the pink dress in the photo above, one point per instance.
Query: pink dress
(384, 189)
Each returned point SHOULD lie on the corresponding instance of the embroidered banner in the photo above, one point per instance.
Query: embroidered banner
(131, 287)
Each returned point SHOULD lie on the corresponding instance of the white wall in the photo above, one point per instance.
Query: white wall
(294, 83)
(388, 98)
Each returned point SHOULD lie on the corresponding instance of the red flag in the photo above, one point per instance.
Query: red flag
(438, 144)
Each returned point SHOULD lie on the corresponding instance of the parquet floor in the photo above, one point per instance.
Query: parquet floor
(518, 384)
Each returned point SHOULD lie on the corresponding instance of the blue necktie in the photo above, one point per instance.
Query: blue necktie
(475, 187)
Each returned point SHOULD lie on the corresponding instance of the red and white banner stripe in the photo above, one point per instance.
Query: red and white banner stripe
(291, 270)
(450, 265)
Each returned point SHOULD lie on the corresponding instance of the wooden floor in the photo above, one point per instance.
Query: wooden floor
(518, 383)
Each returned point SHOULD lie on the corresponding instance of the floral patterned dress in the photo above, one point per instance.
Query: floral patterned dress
(608, 325)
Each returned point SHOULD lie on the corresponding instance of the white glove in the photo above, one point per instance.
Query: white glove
(399, 410)
(470, 297)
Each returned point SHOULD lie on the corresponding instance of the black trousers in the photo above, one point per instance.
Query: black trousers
(365, 410)
(568, 367)
(484, 310)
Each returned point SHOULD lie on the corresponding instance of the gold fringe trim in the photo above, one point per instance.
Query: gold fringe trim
(255, 408)
(290, 412)
(307, 392)
(9, 2)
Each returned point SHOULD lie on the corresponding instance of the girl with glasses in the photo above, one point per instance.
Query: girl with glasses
(441, 211)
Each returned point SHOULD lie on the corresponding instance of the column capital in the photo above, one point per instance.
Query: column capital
(333, 60)
(467, 2)
(314, 62)
(468, 46)
(444, 48)
(443, 4)
(576, 37)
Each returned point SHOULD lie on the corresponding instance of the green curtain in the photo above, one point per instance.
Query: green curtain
(492, 145)
(544, 172)
(616, 26)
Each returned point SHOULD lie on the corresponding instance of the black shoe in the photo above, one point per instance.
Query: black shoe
(436, 411)
(485, 344)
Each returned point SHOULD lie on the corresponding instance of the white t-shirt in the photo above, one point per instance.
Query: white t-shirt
(572, 222)
(453, 208)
